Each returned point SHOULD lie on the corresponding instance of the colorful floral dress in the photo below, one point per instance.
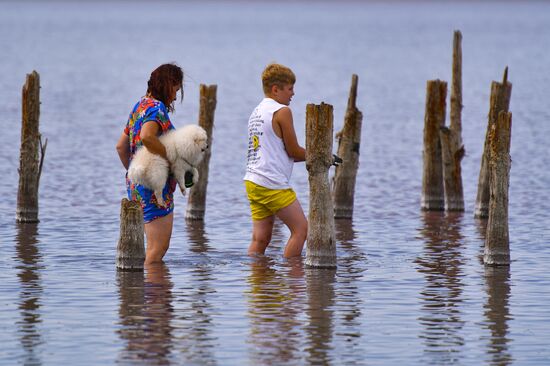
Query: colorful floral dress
(149, 109)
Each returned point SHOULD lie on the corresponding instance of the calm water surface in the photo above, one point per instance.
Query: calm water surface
(410, 287)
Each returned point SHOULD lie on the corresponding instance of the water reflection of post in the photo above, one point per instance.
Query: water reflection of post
(274, 305)
(351, 266)
(497, 313)
(146, 314)
(320, 289)
(31, 290)
(197, 344)
(441, 265)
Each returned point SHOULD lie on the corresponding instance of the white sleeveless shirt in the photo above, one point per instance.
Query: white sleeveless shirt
(268, 163)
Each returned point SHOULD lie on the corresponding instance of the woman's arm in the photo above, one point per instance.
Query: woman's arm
(283, 126)
(149, 138)
(123, 149)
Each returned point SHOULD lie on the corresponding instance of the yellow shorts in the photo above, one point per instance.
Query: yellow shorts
(266, 202)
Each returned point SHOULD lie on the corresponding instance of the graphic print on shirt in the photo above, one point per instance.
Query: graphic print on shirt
(255, 131)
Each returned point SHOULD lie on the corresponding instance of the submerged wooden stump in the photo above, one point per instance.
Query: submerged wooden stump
(349, 140)
(497, 241)
(130, 249)
(452, 148)
(500, 101)
(196, 203)
(31, 153)
(432, 179)
(321, 243)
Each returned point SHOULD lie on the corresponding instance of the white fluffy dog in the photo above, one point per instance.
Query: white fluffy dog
(185, 149)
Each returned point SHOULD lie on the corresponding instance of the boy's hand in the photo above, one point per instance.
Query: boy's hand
(336, 160)
(188, 179)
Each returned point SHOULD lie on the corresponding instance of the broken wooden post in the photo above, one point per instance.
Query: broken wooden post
(432, 178)
(497, 242)
(452, 148)
(32, 152)
(349, 140)
(321, 243)
(500, 101)
(196, 203)
(130, 249)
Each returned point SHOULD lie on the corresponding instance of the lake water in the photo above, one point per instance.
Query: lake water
(410, 287)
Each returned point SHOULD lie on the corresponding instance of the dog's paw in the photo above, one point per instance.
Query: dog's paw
(183, 190)
(195, 175)
(159, 199)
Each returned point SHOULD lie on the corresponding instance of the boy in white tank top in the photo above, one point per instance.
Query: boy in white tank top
(272, 150)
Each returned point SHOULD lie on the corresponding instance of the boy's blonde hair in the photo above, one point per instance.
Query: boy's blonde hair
(276, 74)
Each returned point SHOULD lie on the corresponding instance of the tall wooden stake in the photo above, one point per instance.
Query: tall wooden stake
(497, 242)
(451, 138)
(196, 204)
(432, 179)
(321, 243)
(130, 254)
(349, 140)
(31, 153)
(500, 101)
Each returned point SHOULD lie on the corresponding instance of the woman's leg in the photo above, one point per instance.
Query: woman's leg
(158, 232)
(261, 235)
(293, 217)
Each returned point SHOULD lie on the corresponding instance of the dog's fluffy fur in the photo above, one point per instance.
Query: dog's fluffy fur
(185, 149)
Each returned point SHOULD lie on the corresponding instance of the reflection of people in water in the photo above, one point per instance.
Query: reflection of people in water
(274, 304)
(441, 264)
(31, 291)
(146, 314)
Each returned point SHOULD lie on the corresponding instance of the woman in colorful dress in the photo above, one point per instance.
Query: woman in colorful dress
(148, 120)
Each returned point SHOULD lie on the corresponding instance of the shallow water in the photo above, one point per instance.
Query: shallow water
(410, 287)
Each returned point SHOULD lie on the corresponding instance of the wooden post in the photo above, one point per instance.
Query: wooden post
(452, 148)
(432, 179)
(321, 243)
(500, 101)
(130, 249)
(31, 153)
(196, 203)
(497, 246)
(349, 140)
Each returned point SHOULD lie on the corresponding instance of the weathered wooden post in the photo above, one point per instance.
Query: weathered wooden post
(497, 242)
(130, 254)
(349, 140)
(196, 203)
(321, 243)
(452, 148)
(32, 152)
(500, 101)
(432, 178)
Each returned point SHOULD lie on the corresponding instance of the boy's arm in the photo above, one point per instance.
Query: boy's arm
(283, 126)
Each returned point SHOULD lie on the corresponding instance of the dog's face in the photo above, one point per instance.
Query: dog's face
(193, 144)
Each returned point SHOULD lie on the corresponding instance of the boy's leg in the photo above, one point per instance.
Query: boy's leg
(261, 235)
(158, 233)
(293, 217)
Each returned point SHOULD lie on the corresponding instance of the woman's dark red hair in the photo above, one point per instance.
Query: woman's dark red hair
(161, 82)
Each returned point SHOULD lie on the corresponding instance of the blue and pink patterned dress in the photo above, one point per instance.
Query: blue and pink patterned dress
(149, 109)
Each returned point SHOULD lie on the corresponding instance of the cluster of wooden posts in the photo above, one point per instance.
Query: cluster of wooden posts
(443, 153)
(441, 183)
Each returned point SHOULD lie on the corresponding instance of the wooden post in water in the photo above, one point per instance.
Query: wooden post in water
(321, 243)
(452, 148)
(500, 101)
(349, 140)
(497, 245)
(31, 153)
(196, 203)
(130, 254)
(432, 179)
